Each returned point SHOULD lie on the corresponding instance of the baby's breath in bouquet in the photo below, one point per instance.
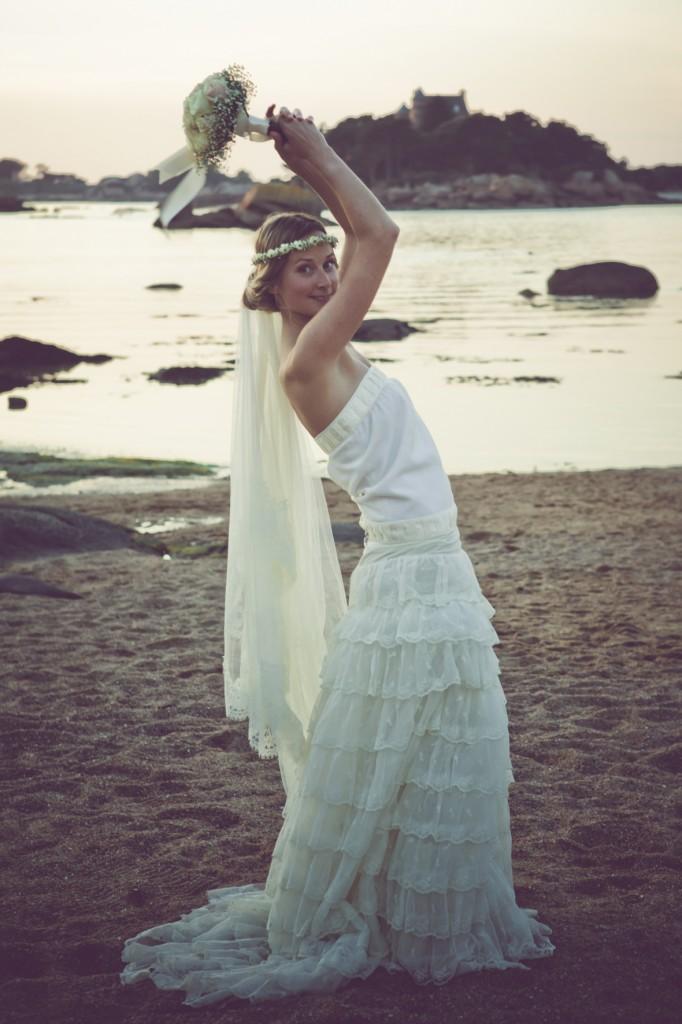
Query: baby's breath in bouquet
(214, 113)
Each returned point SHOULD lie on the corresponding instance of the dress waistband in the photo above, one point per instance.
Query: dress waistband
(418, 528)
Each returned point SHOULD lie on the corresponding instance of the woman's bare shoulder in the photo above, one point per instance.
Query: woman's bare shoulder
(319, 397)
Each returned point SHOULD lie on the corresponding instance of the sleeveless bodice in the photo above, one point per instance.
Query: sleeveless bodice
(381, 452)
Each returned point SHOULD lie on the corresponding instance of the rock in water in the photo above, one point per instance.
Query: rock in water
(383, 329)
(607, 279)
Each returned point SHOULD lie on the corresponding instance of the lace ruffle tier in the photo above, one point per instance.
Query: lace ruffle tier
(395, 851)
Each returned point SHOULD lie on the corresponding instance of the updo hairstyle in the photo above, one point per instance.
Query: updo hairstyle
(289, 226)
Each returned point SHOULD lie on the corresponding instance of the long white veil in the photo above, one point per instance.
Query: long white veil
(284, 591)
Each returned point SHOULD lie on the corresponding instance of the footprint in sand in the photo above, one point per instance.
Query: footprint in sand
(229, 739)
(209, 814)
(131, 789)
(575, 789)
(64, 788)
(599, 886)
(591, 886)
(670, 759)
(30, 805)
(21, 960)
(591, 834)
(90, 958)
(158, 729)
(626, 881)
(173, 787)
(664, 713)
(604, 721)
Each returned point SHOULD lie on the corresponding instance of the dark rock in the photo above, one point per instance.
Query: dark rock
(528, 293)
(254, 206)
(137, 896)
(223, 217)
(16, 583)
(607, 279)
(488, 381)
(273, 196)
(15, 402)
(383, 329)
(537, 379)
(37, 531)
(348, 532)
(13, 204)
(23, 361)
(171, 286)
(187, 374)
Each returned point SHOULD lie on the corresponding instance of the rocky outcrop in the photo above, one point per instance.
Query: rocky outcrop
(23, 361)
(253, 208)
(13, 204)
(607, 279)
(37, 531)
(272, 197)
(581, 188)
(383, 329)
(607, 187)
(187, 374)
(224, 217)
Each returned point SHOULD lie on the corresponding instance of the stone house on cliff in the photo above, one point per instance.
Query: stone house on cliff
(426, 112)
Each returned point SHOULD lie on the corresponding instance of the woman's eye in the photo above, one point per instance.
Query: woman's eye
(330, 263)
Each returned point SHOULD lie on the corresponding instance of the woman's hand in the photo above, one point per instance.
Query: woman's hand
(298, 141)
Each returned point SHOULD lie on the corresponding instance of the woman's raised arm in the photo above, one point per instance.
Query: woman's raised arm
(301, 145)
(299, 142)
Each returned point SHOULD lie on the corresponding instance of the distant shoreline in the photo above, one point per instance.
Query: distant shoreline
(480, 192)
(36, 474)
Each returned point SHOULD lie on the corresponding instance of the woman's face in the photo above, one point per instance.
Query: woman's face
(307, 281)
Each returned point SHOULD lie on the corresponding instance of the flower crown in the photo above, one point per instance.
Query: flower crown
(300, 243)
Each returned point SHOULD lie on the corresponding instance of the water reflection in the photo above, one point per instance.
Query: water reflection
(607, 397)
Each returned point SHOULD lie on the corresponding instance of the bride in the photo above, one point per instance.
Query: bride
(395, 850)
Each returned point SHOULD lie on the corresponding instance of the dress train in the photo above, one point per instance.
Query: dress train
(395, 850)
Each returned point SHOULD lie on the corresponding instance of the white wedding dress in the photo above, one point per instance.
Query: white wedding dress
(395, 850)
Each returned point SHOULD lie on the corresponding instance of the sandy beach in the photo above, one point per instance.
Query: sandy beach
(127, 794)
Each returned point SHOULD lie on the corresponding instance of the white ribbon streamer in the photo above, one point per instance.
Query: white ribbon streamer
(253, 128)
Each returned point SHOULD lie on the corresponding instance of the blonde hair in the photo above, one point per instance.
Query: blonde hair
(288, 226)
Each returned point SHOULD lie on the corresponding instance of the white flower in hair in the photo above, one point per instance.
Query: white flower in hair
(298, 244)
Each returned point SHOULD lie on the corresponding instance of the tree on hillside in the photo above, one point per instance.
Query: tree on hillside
(10, 170)
(389, 150)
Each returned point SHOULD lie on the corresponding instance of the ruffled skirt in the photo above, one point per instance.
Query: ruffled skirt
(395, 850)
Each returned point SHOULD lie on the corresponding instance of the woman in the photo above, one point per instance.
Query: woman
(395, 850)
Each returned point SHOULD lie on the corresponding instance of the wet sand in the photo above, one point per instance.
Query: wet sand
(127, 794)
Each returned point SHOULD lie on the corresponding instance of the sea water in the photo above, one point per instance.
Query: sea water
(75, 274)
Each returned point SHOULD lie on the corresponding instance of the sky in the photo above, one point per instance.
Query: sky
(94, 89)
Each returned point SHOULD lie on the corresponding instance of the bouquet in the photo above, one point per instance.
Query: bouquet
(214, 113)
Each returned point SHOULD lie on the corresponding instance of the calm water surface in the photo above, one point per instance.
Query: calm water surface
(74, 274)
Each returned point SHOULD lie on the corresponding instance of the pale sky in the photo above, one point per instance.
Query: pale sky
(94, 89)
